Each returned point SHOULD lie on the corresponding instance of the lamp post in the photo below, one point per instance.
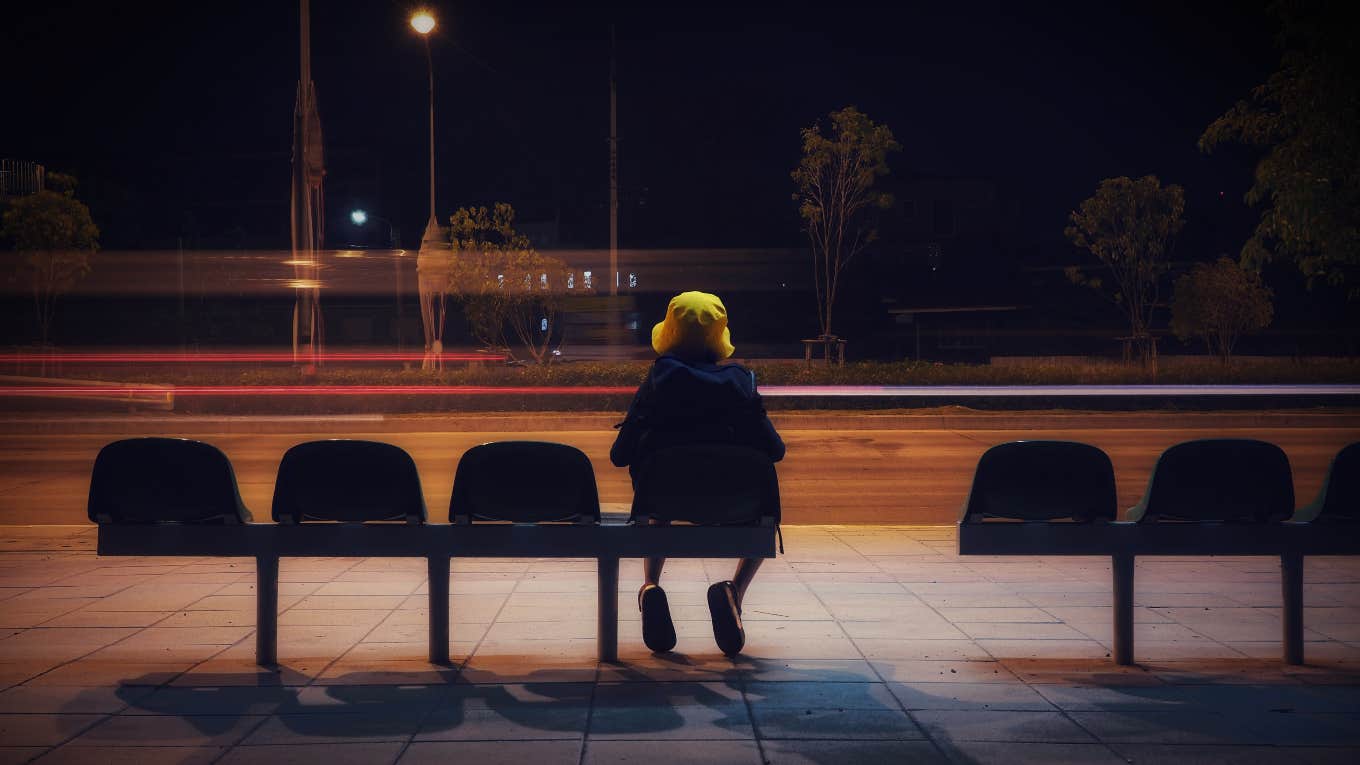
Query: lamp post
(361, 218)
(432, 282)
(423, 22)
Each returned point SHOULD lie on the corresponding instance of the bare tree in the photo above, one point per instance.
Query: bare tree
(835, 180)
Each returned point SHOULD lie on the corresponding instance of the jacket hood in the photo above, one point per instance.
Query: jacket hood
(725, 384)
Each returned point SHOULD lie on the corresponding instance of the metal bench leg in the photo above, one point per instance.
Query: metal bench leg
(439, 609)
(1291, 578)
(608, 634)
(266, 610)
(1122, 566)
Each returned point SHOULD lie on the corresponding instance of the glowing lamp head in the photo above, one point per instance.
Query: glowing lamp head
(358, 217)
(422, 22)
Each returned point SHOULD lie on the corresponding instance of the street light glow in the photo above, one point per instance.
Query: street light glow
(358, 217)
(422, 22)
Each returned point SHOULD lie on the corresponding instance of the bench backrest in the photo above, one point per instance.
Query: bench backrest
(1219, 479)
(709, 484)
(347, 481)
(158, 480)
(524, 482)
(1339, 499)
(1042, 481)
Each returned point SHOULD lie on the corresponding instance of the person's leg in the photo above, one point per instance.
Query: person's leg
(746, 571)
(651, 567)
(651, 570)
(658, 631)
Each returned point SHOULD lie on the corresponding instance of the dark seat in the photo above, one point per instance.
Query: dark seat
(1339, 499)
(707, 484)
(164, 480)
(1042, 481)
(347, 481)
(524, 482)
(1221, 479)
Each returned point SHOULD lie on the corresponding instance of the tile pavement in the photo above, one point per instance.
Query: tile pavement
(865, 644)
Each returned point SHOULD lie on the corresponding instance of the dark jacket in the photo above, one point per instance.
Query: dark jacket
(684, 402)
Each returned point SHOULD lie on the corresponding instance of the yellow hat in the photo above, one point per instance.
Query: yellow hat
(695, 326)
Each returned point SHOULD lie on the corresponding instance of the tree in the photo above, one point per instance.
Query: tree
(1306, 118)
(1130, 226)
(1218, 302)
(504, 283)
(53, 237)
(835, 180)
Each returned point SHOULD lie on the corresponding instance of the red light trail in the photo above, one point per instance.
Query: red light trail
(234, 357)
(113, 390)
(316, 390)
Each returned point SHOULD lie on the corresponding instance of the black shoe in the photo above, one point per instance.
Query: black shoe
(658, 631)
(727, 629)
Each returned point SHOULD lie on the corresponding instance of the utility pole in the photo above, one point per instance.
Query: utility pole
(307, 215)
(613, 172)
(183, 331)
(429, 65)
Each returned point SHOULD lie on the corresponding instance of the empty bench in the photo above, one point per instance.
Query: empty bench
(1206, 497)
(347, 498)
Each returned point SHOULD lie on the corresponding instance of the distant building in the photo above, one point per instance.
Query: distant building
(19, 177)
(941, 226)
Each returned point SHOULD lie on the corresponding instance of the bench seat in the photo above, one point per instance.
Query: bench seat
(343, 498)
(614, 538)
(1129, 538)
(607, 542)
(1208, 497)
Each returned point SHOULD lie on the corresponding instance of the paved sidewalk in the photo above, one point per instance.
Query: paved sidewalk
(865, 644)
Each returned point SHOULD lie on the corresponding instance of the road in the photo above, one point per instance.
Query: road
(831, 475)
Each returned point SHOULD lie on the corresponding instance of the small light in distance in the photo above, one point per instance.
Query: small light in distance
(358, 217)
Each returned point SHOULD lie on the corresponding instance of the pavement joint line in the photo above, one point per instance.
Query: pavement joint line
(590, 705)
(137, 632)
(751, 716)
(333, 577)
(798, 575)
(1064, 713)
(499, 610)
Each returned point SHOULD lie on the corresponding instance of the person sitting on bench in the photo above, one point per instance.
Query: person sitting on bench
(689, 398)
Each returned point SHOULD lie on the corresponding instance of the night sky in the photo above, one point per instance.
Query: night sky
(177, 117)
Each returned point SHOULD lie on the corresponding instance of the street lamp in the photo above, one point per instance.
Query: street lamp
(423, 22)
(360, 217)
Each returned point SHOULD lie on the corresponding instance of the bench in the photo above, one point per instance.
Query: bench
(177, 497)
(1206, 497)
